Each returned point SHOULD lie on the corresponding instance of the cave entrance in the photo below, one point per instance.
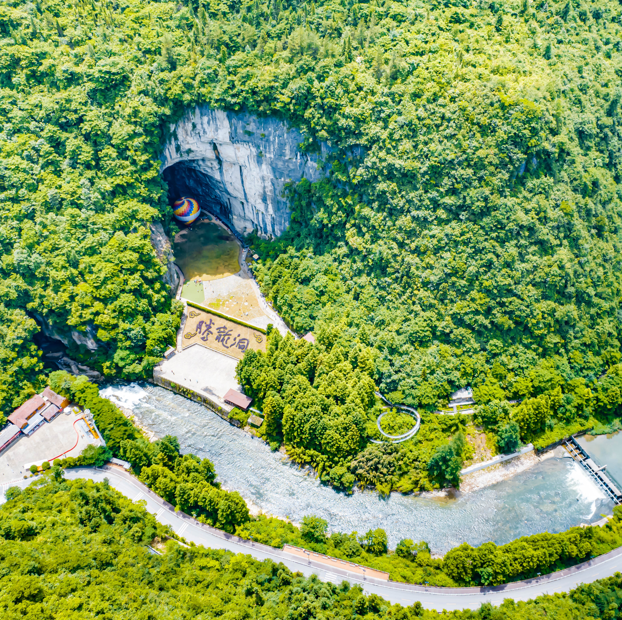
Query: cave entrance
(224, 197)
(204, 250)
(184, 180)
(209, 254)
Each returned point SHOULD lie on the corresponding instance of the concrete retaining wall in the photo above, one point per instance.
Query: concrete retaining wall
(195, 396)
(498, 459)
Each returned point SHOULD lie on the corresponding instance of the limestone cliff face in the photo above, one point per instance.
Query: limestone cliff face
(162, 246)
(87, 338)
(237, 165)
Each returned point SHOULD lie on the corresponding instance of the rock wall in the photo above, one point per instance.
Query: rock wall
(162, 246)
(87, 338)
(237, 166)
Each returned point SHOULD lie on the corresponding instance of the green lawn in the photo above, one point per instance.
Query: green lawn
(193, 291)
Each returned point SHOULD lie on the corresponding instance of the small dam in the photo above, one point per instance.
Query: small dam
(597, 473)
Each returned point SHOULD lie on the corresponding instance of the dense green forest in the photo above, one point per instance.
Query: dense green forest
(474, 237)
(318, 401)
(467, 231)
(79, 550)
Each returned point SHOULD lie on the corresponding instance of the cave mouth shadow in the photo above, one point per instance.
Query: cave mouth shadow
(199, 180)
(184, 180)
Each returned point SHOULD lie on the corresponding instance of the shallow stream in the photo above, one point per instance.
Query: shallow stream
(552, 496)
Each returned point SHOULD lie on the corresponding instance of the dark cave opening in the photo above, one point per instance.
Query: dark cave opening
(185, 180)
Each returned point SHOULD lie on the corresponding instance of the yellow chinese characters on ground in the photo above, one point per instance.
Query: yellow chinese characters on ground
(221, 335)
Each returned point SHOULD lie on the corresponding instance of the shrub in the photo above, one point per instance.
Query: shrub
(375, 542)
(446, 463)
(94, 456)
(509, 438)
(313, 529)
(341, 478)
(492, 414)
(240, 416)
(45, 465)
(12, 493)
(409, 550)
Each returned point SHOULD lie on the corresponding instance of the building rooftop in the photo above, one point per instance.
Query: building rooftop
(309, 337)
(32, 423)
(54, 398)
(463, 395)
(255, 420)
(121, 463)
(50, 412)
(8, 433)
(234, 397)
(21, 415)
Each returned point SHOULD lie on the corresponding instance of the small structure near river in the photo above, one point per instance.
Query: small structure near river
(597, 473)
(237, 399)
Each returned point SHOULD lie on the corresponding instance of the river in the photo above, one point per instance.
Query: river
(552, 496)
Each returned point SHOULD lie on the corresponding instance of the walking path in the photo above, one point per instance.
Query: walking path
(242, 281)
(405, 594)
(501, 458)
(270, 312)
(404, 436)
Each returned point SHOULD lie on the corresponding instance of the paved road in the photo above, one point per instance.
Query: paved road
(405, 594)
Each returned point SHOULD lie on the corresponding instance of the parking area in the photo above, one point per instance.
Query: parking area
(65, 434)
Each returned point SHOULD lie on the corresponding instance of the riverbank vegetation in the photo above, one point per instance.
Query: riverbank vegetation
(76, 547)
(411, 562)
(318, 401)
(190, 484)
(183, 480)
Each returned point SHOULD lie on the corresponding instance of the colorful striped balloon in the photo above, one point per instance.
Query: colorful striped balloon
(186, 210)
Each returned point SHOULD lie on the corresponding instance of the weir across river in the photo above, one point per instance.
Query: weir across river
(603, 480)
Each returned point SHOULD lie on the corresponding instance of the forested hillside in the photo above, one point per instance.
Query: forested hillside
(468, 230)
(79, 550)
(477, 233)
(469, 226)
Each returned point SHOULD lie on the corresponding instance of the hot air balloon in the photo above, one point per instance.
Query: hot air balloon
(186, 210)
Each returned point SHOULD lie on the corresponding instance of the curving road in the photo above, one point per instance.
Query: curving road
(405, 594)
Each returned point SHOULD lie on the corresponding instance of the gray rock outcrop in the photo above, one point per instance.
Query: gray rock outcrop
(68, 365)
(88, 338)
(164, 252)
(237, 165)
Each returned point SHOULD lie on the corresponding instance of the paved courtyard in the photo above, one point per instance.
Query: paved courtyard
(50, 440)
(203, 371)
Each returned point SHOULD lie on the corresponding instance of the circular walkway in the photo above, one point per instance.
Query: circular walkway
(404, 436)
